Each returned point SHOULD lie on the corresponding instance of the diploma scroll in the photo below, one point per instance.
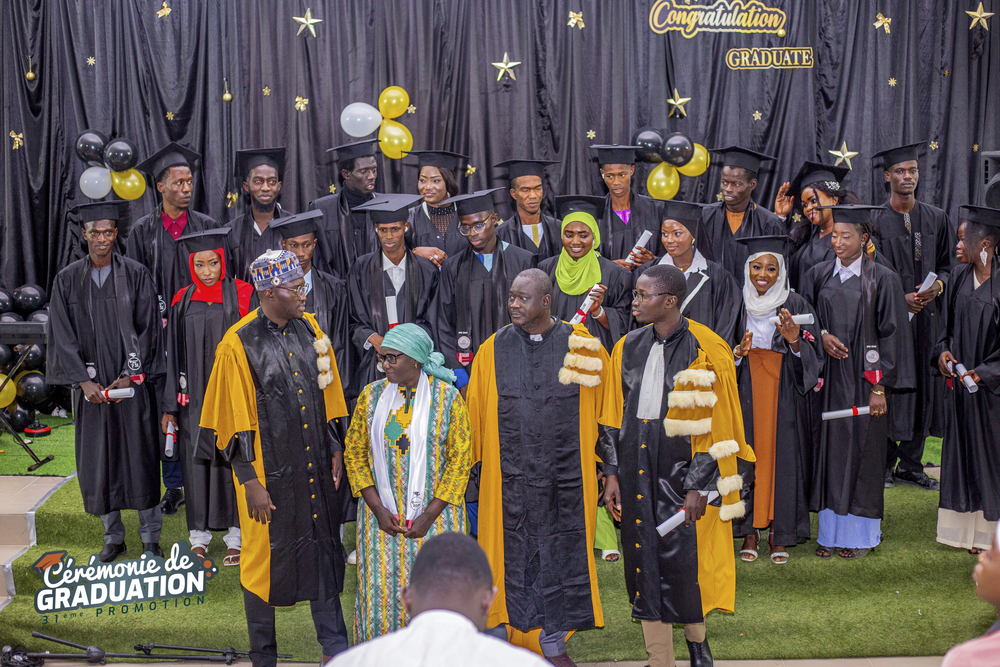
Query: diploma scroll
(796, 319)
(581, 314)
(639, 245)
(169, 448)
(678, 519)
(963, 373)
(849, 412)
(926, 285)
(115, 394)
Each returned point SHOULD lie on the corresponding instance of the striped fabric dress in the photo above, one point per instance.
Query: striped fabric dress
(384, 561)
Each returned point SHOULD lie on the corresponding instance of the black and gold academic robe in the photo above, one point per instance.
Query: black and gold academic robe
(338, 245)
(367, 286)
(92, 334)
(794, 428)
(679, 577)
(928, 246)
(618, 239)
(550, 244)
(247, 245)
(617, 301)
(286, 441)
(471, 302)
(814, 251)
(970, 449)
(849, 463)
(757, 221)
(422, 232)
(536, 439)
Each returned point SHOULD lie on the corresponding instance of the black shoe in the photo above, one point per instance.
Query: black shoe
(154, 547)
(172, 500)
(890, 480)
(918, 479)
(111, 552)
(701, 655)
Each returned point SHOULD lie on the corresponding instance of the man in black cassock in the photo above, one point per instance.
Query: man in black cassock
(626, 214)
(737, 215)
(152, 241)
(915, 240)
(529, 228)
(348, 233)
(104, 332)
(386, 287)
(259, 170)
(471, 301)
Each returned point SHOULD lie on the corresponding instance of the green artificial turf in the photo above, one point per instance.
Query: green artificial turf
(911, 596)
(15, 461)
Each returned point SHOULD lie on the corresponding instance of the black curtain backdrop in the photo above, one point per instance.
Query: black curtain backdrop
(611, 77)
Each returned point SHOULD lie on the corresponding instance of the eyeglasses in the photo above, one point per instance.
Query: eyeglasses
(388, 358)
(642, 297)
(466, 230)
(300, 291)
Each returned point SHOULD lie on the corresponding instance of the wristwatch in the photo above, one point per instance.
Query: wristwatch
(823, 332)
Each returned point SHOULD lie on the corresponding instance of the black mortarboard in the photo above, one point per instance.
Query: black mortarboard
(386, 209)
(855, 214)
(355, 150)
(981, 215)
(171, 155)
(615, 154)
(474, 202)
(734, 156)
(298, 225)
(686, 213)
(518, 168)
(208, 239)
(772, 244)
(439, 159)
(249, 158)
(566, 204)
(891, 156)
(98, 210)
(814, 172)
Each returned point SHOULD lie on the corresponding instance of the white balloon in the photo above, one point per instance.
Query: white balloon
(359, 119)
(95, 182)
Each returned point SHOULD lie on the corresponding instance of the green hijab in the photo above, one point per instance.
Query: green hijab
(578, 276)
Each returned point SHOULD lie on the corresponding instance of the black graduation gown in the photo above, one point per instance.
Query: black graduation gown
(117, 446)
(328, 301)
(247, 245)
(793, 446)
(849, 464)
(811, 253)
(930, 247)
(970, 450)
(472, 301)
(551, 242)
(617, 301)
(717, 303)
(757, 221)
(422, 232)
(337, 246)
(367, 286)
(618, 239)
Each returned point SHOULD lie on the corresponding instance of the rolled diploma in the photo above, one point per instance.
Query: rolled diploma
(114, 394)
(169, 447)
(639, 245)
(963, 373)
(678, 519)
(581, 315)
(796, 319)
(926, 285)
(849, 412)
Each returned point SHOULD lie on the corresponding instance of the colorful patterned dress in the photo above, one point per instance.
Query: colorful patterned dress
(384, 561)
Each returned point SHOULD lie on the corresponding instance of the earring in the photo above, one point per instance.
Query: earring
(983, 256)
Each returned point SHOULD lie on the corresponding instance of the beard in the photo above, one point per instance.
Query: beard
(264, 208)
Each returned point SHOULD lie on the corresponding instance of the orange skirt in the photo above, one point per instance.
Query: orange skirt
(765, 371)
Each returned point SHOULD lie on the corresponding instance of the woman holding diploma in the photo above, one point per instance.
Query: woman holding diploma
(862, 315)
(970, 335)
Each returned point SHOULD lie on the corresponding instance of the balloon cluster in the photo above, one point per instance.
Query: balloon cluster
(27, 391)
(112, 165)
(675, 154)
(360, 119)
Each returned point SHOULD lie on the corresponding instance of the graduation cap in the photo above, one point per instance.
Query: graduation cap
(684, 212)
(98, 210)
(891, 156)
(171, 155)
(855, 214)
(355, 150)
(814, 172)
(297, 225)
(250, 158)
(439, 159)
(615, 154)
(734, 156)
(775, 244)
(589, 204)
(518, 168)
(981, 215)
(386, 209)
(208, 239)
(474, 202)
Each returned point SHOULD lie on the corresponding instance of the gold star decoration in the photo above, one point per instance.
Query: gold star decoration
(591, 134)
(231, 198)
(18, 138)
(165, 12)
(506, 66)
(300, 103)
(266, 91)
(91, 61)
(720, 197)
(677, 105)
(170, 115)
(757, 115)
(979, 17)
(576, 19)
(843, 155)
(947, 72)
(333, 189)
(892, 82)
(469, 170)
(796, 217)
(411, 109)
(934, 145)
(307, 21)
(975, 148)
(883, 22)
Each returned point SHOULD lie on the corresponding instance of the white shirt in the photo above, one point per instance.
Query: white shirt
(541, 231)
(309, 281)
(846, 272)
(438, 638)
(698, 263)
(397, 276)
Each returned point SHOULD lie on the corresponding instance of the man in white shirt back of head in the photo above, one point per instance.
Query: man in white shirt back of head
(448, 600)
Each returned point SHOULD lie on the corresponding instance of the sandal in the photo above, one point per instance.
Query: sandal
(779, 557)
(232, 557)
(750, 555)
(611, 555)
(853, 554)
(200, 552)
(823, 552)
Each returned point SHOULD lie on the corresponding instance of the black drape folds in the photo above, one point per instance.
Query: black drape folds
(159, 78)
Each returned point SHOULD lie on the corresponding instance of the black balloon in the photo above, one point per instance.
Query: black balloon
(29, 298)
(120, 155)
(35, 360)
(6, 355)
(649, 141)
(19, 416)
(10, 317)
(6, 301)
(39, 316)
(90, 147)
(677, 149)
(32, 389)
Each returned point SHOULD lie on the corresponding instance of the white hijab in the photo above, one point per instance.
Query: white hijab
(766, 305)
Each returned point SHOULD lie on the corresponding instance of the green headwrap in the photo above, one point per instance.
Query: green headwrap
(414, 342)
(578, 276)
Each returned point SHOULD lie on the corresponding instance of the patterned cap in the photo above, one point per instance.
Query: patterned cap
(273, 268)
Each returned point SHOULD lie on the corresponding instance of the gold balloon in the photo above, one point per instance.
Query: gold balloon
(29, 75)
(393, 101)
(698, 163)
(128, 184)
(394, 139)
(781, 32)
(663, 182)
(227, 97)
(9, 392)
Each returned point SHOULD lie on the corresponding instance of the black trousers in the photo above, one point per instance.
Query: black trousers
(908, 453)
